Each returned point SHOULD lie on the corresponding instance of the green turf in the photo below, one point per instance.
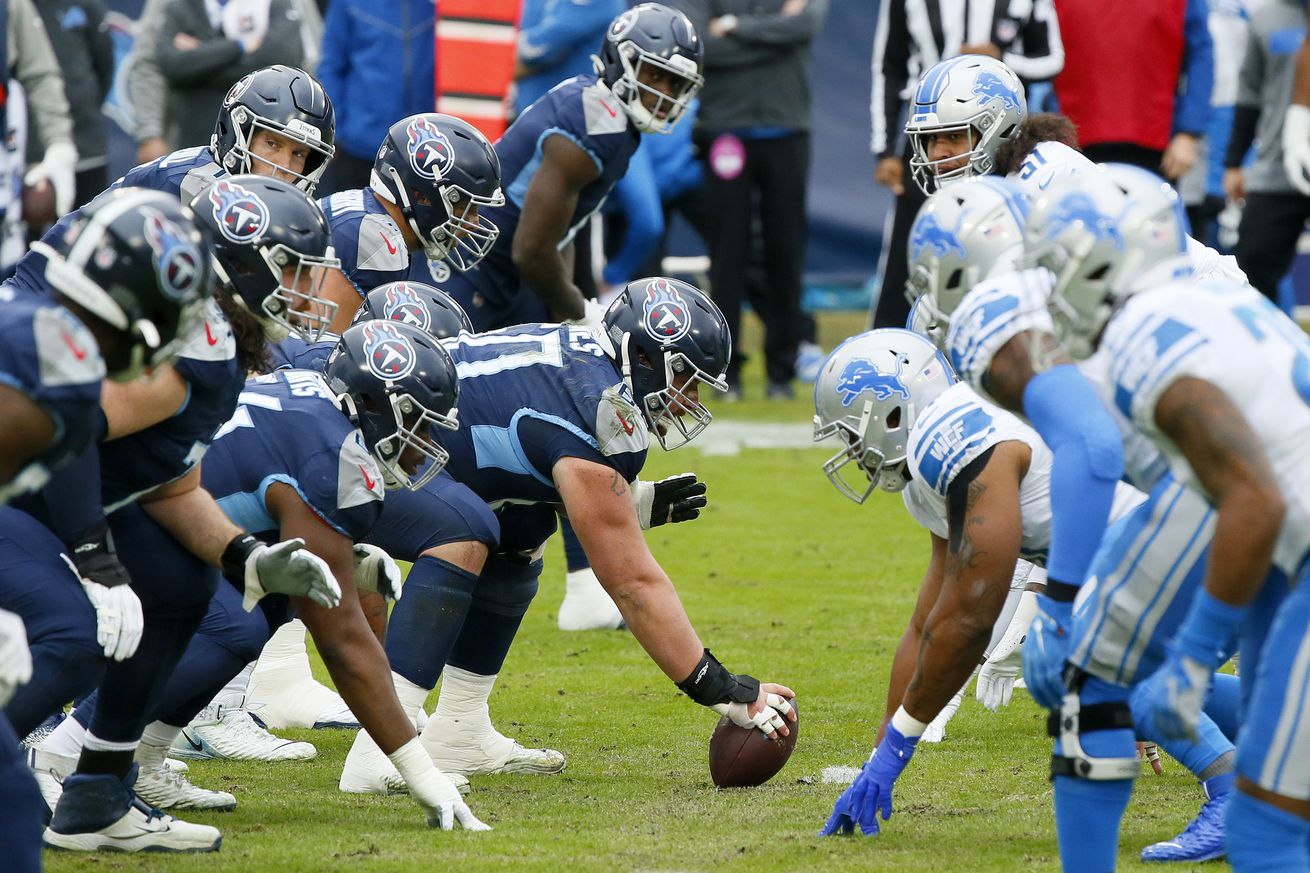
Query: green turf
(785, 579)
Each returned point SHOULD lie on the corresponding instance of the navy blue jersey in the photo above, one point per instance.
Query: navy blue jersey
(530, 395)
(369, 244)
(288, 428)
(294, 353)
(184, 173)
(49, 355)
(140, 462)
(581, 110)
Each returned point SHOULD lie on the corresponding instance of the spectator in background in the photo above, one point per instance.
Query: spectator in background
(753, 133)
(556, 41)
(85, 52)
(204, 47)
(31, 60)
(146, 87)
(1275, 211)
(1148, 114)
(377, 65)
(911, 37)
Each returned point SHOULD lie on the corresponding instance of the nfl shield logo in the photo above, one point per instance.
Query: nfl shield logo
(177, 260)
(665, 315)
(430, 153)
(403, 305)
(242, 217)
(390, 355)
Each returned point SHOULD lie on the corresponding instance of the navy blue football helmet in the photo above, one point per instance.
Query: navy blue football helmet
(272, 244)
(134, 259)
(283, 100)
(440, 170)
(652, 35)
(669, 339)
(415, 303)
(396, 383)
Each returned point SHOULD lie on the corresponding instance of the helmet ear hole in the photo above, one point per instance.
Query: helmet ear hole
(894, 419)
(1099, 273)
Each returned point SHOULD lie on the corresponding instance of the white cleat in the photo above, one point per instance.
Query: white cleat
(369, 771)
(50, 769)
(176, 766)
(586, 606)
(484, 753)
(163, 788)
(140, 830)
(229, 732)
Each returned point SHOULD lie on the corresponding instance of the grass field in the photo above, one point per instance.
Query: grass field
(786, 580)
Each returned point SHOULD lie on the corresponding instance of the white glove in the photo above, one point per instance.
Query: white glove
(769, 719)
(1001, 669)
(119, 622)
(289, 568)
(1296, 146)
(59, 168)
(935, 732)
(15, 659)
(375, 570)
(432, 791)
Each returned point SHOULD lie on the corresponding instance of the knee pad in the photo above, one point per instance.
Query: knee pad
(1084, 713)
(507, 585)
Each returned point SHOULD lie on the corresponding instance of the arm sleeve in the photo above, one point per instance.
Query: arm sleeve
(1087, 466)
(35, 66)
(334, 59)
(1245, 119)
(549, 40)
(639, 196)
(1192, 113)
(891, 73)
(1246, 113)
(782, 30)
(1042, 53)
(145, 83)
(723, 52)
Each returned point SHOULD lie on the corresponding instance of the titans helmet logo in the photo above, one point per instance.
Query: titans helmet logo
(242, 217)
(989, 86)
(862, 374)
(928, 233)
(1078, 207)
(430, 153)
(403, 304)
(665, 315)
(389, 354)
(177, 260)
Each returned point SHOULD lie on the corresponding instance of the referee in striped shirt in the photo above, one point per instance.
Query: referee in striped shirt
(913, 35)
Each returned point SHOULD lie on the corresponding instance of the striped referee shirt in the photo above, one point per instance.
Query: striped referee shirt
(913, 35)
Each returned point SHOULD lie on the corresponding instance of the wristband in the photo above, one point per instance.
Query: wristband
(235, 556)
(711, 683)
(908, 726)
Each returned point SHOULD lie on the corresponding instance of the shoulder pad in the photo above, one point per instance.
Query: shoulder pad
(381, 245)
(359, 480)
(620, 427)
(209, 337)
(601, 112)
(65, 349)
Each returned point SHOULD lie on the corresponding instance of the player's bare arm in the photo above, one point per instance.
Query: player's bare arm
(985, 533)
(190, 513)
(341, 291)
(1226, 456)
(134, 406)
(1013, 366)
(547, 210)
(907, 652)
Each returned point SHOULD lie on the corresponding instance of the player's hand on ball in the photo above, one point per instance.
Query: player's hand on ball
(769, 713)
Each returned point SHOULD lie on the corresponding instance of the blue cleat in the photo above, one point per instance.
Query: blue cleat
(1202, 840)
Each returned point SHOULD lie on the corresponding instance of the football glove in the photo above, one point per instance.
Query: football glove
(871, 792)
(119, 622)
(998, 674)
(1296, 146)
(375, 570)
(282, 568)
(769, 719)
(436, 795)
(1045, 651)
(677, 498)
(95, 558)
(58, 167)
(15, 659)
(1183, 684)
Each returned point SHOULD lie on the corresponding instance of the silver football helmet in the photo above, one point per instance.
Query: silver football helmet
(1105, 234)
(970, 94)
(869, 393)
(962, 235)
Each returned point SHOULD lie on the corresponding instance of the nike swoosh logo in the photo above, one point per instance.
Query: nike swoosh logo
(209, 335)
(628, 428)
(390, 247)
(609, 109)
(369, 482)
(199, 747)
(1041, 186)
(78, 351)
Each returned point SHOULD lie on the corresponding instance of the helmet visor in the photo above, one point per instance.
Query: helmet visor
(931, 174)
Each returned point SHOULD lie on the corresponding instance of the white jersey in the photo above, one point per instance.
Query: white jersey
(1232, 337)
(1049, 161)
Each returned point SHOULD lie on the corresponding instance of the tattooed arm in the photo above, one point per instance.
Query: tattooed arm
(1228, 460)
(985, 533)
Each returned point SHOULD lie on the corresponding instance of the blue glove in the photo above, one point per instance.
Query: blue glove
(1182, 684)
(872, 790)
(1046, 650)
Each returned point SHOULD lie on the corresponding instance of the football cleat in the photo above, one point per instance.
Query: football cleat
(1202, 840)
(484, 752)
(586, 606)
(50, 769)
(283, 693)
(229, 732)
(163, 788)
(369, 771)
(100, 812)
(43, 730)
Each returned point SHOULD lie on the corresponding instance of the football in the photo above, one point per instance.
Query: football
(39, 204)
(744, 757)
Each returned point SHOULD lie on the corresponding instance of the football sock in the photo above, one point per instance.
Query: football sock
(463, 702)
(574, 555)
(427, 621)
(502, 597)
(155, 742)
(101, 756)
(1265, 839)
(411, 696)
(66, 739)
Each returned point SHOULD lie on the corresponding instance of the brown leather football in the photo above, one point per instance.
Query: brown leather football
(38, 205)
(744, 757)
